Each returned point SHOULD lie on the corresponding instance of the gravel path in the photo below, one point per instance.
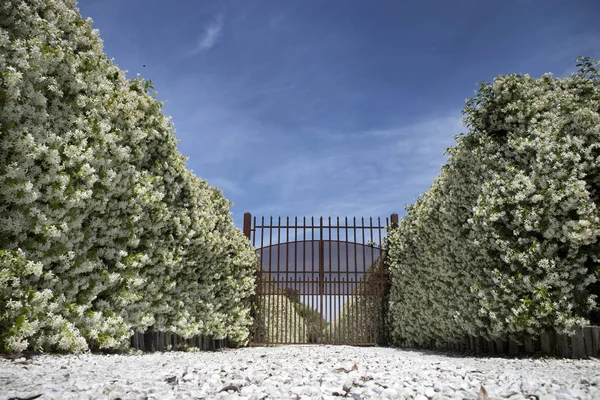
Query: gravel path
(297, 372)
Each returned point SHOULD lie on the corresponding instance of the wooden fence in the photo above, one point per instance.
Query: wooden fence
(163, 341)
(583, 344)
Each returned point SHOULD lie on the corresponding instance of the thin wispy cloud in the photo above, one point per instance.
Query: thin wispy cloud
(228, 187)
(210, 37)
(373, 173)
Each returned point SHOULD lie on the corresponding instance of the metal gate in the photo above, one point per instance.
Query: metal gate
(318, 281)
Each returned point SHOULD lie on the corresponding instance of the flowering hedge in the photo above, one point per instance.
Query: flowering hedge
(506, 240)
(103, 230)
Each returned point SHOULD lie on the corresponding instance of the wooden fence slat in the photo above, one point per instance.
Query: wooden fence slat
(588, 340)
(168, 341)
(578, 344)
(529, 346)
(499, 346)
(595, 333)
(513, 347)
(548, 342)
(147, 341)
(485, 346)
(479, 343)
(562, 345)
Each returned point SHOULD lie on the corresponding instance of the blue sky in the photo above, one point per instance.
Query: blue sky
(331, 107)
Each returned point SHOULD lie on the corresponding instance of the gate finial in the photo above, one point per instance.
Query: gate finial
(247, 224)
(394, 220)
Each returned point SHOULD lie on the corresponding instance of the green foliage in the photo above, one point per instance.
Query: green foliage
(95, 192)
(506, 241)
(28, 318)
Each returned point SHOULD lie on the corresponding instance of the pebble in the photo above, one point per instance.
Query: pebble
(316, 372)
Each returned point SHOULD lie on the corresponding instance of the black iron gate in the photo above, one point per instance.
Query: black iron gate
(319, 281)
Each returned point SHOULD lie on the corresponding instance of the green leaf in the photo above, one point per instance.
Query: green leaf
(20, 321)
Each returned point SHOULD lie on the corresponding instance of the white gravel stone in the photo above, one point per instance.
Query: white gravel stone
(297, 372)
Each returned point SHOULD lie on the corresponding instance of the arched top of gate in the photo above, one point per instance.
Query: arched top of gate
(334, 255)
(292, 243)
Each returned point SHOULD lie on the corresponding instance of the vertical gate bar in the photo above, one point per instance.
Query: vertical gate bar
(270, 289)
(380, 266)
(350, 291)
(379, 231)
(288, 302)
(279, 301)
(355, 278)
(334, 331)
(265, 289)
(344, 327)
(377, 304)
(381, 329)
(317, 283)
(296, 289)
(358, 272)
(304, 320)
(381, 288)
(369, 283)
(329, 338)
(307, 283)
(347, 302)
(350, 302)
(312, 276)
(318, 298)
(374, 300)
(297, 294)
(339, 297)
(257, 292)
(341, 306)
(384, 282)
(311, 266)
(321, 277)
(363, 283)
